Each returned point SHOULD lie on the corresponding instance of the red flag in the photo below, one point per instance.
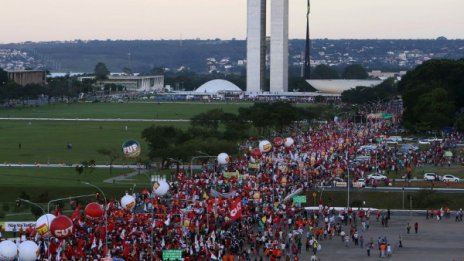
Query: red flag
(236, 209)
(75, 215)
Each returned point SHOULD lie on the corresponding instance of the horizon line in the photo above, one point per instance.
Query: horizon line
(217, 39)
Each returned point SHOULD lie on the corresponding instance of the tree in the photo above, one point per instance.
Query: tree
(354, 71)
(112, 155)
(434, 109)
(101, 72)
(3, 77)
(324, 72)
(418, 86)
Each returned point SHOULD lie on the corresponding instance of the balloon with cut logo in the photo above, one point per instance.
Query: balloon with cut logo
(42, 225)
(128, 202)
(265, 146)
(61, 227)
(160, 188)
(278, 141)
(94, 210)
(288, 142)
(27, 251)
(8, 250)
(223, 158)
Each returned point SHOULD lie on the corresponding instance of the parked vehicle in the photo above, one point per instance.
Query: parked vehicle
(376, 176)
(360, 183)
(431, 177)
(450, 178)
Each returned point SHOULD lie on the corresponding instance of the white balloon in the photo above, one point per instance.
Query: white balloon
(28, 251)
(265, 146)
(288, 142)
(42, 225)
(8, 250)
(161, 188)
(223, 158)
(128, 202)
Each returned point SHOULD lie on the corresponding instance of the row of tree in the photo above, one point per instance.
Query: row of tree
(360, 95)
(433, 95)
(217, 131)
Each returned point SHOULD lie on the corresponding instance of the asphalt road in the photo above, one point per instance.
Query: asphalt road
(435, 241)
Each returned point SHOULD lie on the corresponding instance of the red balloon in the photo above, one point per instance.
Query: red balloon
(94, 210)
(278, 141)
(256, 153)
(61, 227)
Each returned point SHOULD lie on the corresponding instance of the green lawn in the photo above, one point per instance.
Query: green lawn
(121, 110)
(45, 184)
(45, 141)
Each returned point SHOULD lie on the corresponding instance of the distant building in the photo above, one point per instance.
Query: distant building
(25, 77)
(133, 83)
(138, 83)
(339, 86)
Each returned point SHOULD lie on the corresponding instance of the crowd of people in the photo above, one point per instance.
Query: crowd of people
(243, 210)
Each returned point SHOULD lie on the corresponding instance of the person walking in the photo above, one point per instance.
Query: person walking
(408, 228)
(368, 249)
(416, 227)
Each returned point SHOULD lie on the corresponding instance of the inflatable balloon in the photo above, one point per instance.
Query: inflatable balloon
(278, 141)
(288, 142)
(223, 158)
(265, 146)
(131, 149)
(61, 227)
(28, 251)
(8, 250)
(94, 211)
(160, 188)
(128, 202)
(42, 225)
(256, 153)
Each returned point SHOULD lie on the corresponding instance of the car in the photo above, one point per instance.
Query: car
(361, 183)
(424, 142)
(431, 177)
(376, 176)
(450, 178)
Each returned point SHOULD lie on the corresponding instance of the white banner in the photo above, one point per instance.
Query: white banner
(9, 226)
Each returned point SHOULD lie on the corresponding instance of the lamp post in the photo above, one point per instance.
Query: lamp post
(47, 240)
(348, 182)
(197, 157)
(178, 162)
(72, 197)
(106, 213)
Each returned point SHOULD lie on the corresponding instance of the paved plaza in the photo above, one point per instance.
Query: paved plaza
(435, 241)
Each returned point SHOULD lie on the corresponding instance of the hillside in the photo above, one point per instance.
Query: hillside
(207, 55)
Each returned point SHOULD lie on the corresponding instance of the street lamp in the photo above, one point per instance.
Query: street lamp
(72, 197)
(348, 181)
(197, 157)
(178, 162)
(46, 217)
(106, 213)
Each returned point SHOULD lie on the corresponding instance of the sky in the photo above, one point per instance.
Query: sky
(59, 20)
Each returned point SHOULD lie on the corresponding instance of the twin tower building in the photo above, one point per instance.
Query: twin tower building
(256, 46)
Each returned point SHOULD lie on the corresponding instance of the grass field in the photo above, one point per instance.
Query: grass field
(132, 110)
(45, 141)
(44, 184)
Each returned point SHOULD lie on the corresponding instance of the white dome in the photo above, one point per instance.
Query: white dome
(218, 85)
(339, 86)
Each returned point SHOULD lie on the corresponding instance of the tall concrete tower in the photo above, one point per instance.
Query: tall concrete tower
(256, 45)
(279, 46)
